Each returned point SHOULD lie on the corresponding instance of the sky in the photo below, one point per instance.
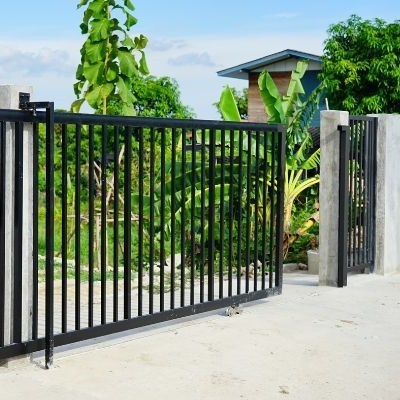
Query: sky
(188, 40)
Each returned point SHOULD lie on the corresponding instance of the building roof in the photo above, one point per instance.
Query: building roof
(241, 71)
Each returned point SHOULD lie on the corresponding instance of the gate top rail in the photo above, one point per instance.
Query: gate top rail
(361, 118)
(98, 119)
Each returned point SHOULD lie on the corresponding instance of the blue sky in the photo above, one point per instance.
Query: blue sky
(190, 41)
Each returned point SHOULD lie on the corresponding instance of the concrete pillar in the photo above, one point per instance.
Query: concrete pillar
(329, 196)
(387, 259)
(9, 99)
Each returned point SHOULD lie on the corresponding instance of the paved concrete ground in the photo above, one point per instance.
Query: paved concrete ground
(310, 343)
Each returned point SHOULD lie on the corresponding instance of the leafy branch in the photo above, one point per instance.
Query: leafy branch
(108, 64)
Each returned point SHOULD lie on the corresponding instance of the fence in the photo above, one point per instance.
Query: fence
(138, 221)
(357, 196)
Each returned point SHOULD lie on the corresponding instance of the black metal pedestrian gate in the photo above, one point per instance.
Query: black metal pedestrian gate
(357, 196)
(137, 221)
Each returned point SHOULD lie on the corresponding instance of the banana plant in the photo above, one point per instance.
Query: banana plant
(296, 115)
(289, 109)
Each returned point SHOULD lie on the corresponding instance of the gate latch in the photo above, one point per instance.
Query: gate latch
(26, 105)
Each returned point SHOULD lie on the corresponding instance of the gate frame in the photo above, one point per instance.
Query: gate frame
(369, 161)
(50, 340)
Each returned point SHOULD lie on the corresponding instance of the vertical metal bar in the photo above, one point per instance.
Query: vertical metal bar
(78, 228)
(239, 232)
(91, 225)
(366, 190)
(162, 220)
(272, 191)
(362, 192)
(354, 137)
(360, 197)
(49, 340)
(116, 224)
(264, 207)
(211, 217)
(35, 223)
(127, 222)
(256, 207)
(231, 209)
(351, 198)
(183, 219)
(373, 190)
(193, 219)
(18, 233)
(141, 216)
(64, 228)
(367, 194)
(152, 230)
(2, 227)
(280, 206)
(202, 213)
(222, 217)
(248, 210)
(371, 186)
(103, 238)
(173, 210)
(343, 204)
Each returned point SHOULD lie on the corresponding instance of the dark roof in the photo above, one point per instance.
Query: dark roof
(241, 71)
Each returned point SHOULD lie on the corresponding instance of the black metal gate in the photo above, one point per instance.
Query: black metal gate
(357, 196)
(139, 221)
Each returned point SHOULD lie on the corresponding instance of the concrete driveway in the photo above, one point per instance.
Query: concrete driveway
(310, 343)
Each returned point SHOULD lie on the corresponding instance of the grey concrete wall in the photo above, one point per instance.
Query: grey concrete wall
(9, 99)
(388, 195)
(329, 196)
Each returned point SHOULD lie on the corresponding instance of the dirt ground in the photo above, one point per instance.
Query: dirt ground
(310, 343)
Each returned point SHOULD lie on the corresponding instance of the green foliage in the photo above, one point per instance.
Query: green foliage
(238, 98)
(361, 67)
(303, 211)
(156, 97)
(108, 65)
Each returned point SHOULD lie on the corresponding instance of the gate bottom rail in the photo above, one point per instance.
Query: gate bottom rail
(63, 339)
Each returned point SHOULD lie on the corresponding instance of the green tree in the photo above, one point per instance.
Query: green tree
(361, 66)
(108, 66)
(241, 99)
(157, 97)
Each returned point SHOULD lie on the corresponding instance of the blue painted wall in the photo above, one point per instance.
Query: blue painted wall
(310, 81)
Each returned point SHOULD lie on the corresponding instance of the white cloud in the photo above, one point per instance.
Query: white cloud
(203, 59)
(163, 45)
(34, 64)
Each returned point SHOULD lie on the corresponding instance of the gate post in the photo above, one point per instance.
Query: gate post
(9, 99)
(329, 196)
(387, 260)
